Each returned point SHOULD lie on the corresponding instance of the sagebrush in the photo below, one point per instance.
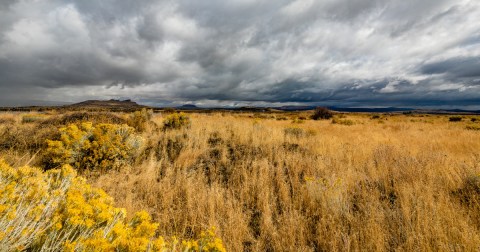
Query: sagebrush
(94, 147)
(58, 211)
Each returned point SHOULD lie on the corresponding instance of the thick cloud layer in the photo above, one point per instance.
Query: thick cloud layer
(212, 52)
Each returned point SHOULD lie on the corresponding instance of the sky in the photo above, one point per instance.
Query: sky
(348, 53)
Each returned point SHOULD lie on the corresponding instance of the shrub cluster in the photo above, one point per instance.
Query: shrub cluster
(58, 211)
(455, 119)
(103, 146)
(176, 121)
(139, 119)
(322, 113)
(79, 117)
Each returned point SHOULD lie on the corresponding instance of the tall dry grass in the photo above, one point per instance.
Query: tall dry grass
(400, 183)
(404, 183)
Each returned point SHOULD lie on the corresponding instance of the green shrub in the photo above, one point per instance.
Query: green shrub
(103, 146)
(176, 121)
(322, 113)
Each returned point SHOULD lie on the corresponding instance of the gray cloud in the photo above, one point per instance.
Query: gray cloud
(468, 67)
(333, 52)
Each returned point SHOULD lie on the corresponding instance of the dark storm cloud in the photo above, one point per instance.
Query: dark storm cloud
(468, 67)
(333, 52)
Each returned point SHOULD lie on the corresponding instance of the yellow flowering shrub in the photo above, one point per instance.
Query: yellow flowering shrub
(103, 146)
(140, 119)
(28, 200)
(57, 210)
(207, 242)
(176, 121)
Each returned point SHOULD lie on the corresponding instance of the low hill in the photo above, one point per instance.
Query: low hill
(115, 105)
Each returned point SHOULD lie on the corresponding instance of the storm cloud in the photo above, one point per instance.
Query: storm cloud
(212, 52)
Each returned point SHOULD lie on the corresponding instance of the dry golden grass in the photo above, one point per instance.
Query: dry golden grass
(404, 183)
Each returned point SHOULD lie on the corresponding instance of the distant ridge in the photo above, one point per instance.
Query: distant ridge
(129, 106)
(188, 106)
(382, 110)
(372, 110)
(101, 105)
(333, 108)
(105, 103)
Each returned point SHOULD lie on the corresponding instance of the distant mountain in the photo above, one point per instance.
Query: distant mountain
(372, 110)
(446, 111)
(382, 110)
(294, 108)
(188, 106)
(106, 105)
(340, 109)
(129, 106)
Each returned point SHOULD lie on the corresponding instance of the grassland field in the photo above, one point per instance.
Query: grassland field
(281, 181)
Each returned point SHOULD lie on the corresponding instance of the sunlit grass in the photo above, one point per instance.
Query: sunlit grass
(267, 182)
